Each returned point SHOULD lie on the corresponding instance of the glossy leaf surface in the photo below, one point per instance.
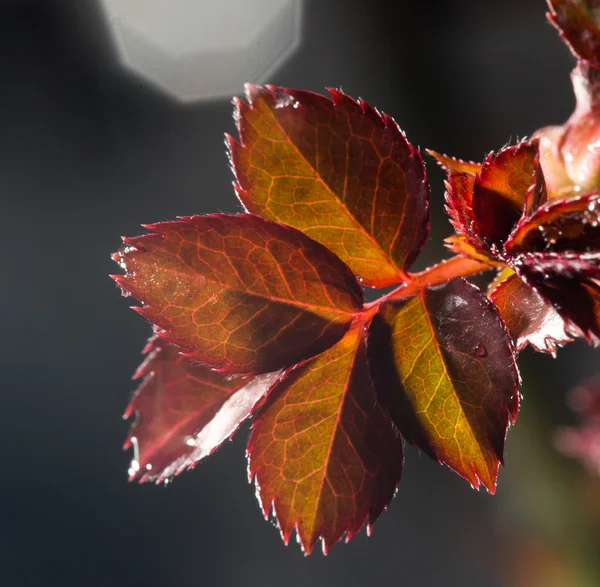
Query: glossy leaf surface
(571, 284)
(184, 411)
(337, 170)
(571, 225)
(443, 366)
(240, 293)
(500, 189)
(324, 454)
(527, 316)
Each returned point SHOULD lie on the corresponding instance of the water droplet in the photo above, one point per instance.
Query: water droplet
(480, 350)
(190, 441)
(148, 467)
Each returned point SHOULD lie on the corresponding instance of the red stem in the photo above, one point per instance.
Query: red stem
(458, 266)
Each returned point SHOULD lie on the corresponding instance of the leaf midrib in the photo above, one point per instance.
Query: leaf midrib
(336, 429)
(449, 379)
(339, 200)
(194, 276)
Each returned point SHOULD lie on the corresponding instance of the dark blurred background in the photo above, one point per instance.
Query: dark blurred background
(88, 152)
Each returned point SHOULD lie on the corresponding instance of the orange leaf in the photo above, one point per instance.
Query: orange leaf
(240, 293)
(443, 366)
(501, 189)
(337, 170)
(324, 454)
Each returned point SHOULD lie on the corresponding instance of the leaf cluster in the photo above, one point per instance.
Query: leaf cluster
(261, 314)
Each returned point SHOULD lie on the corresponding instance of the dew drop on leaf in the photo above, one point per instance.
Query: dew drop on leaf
(480, 350)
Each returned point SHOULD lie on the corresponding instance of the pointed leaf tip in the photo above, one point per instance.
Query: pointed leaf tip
(443, 366)
(240, 293)
(322, 452)
(184, 411)
(303, 159)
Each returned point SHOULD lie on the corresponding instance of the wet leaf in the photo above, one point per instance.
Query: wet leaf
(337, 170)
(577, 22)
(528, 317)
(463, 245)
(184, 411)
(242, 294)
(325, 456)
(571, 225)
(570, 283)
(443, 365)
(501, 188)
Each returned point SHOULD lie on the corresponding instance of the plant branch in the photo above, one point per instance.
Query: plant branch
(458, 266)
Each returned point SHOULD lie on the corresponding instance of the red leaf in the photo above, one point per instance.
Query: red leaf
(451, 164)
(324, 454)
(240, 293)
(577, 25)
(184, 411)
(500, 190)
(337, 170)
(528, 317)
(564, 225)
(570, 284)
(443, 365)
(459, 205)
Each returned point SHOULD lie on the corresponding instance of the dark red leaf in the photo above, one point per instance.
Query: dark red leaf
(571, 225)
(459, 205)
(528, 317)
(337, 170)
(571, 284)
(577, 25)
(240, 293)
(501, 188)
(184, 411)
(443, 365)
(325, 456)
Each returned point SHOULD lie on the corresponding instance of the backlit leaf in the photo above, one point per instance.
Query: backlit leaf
(243, 294)
(337, 170)
(443, 366)
(459, 205)
(578, 26)
(501, 188)
(571, 283)
(184, 411)
(527, 316)
(571, 225)
(452, 164)
(323, 453)
(463, 245)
